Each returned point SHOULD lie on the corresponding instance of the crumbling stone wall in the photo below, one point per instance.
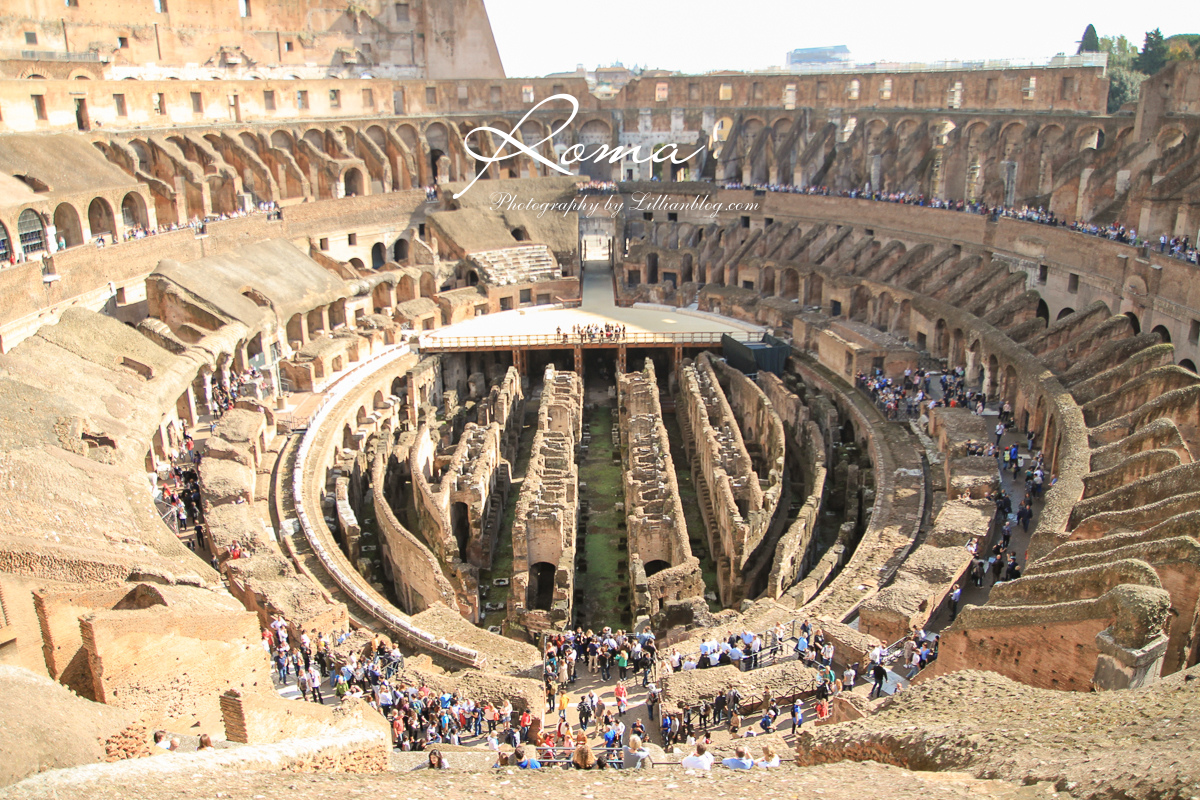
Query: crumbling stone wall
(762, 432)
(792, 558)
(653, 511)
(730, 492)
(417, 578)
(547, 512)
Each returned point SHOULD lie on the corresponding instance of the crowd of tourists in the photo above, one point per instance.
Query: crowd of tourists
(597, 187)
(591, 333)
(896, 398)
(1176, 247)
(225, 394)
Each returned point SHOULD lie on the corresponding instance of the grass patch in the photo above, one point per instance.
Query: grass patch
(600, 586)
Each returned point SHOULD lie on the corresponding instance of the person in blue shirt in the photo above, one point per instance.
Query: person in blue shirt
(526, 763)
(740, 760)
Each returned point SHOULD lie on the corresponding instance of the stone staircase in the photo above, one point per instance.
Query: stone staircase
(510, 265)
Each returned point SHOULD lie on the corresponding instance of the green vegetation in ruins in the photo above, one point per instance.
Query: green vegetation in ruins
(692, 513)
(1128, 67)
(502, 558)
(602, 562)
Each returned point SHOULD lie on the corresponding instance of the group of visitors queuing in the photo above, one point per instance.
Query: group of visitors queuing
(592, 333)
(226, 393)
(180, 491)
(597, 187)
(956, 394)
(1174, 246)
(896, 398)
(629, 653)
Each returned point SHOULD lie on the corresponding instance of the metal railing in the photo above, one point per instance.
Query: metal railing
(568, 339)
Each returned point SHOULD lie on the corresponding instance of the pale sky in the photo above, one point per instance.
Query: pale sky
(537, 37)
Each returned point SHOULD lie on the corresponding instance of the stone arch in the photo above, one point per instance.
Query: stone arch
(249, 141)
(814, 288)
(1066, 312)
(377, 400)
(406, 289)
(1188, 364)
(5, 243)
(941, 340)
(1043, 310)
(31, 232)
(899, 325)
(408, 135)
(316, 138)
(860, 303)
(378, 255)
(685, 268)
(656, 566)
(973, 364)
(1009, 386)
(1163, 333)
(460, 527)
(1134, 322)
(316, 322)
(295, 329)
(66, 221)
(400, 250)
(766, 281)
(594, 135)
(100, 218)
(541, 586)
(992, 380)
(1170, 137)
(352, 182)
(133, 211)
(378, 135)
(439, 145)
(283, 140)
(361, 417)
(1090, 137)
(883, 310)
(357, 263)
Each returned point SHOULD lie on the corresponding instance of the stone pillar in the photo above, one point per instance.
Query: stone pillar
(190, 400)
(1120, 667)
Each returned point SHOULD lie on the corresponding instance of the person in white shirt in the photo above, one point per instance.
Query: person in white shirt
(701, 759)
(769, 758)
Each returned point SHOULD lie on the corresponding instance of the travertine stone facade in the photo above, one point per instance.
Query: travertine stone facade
(662, 568)
(547, 513)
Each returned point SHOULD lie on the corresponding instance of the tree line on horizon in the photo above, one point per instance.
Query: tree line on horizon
(1128, 66)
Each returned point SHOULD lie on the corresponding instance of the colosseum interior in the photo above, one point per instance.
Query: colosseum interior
(270, 373)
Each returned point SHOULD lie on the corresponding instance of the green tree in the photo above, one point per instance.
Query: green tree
(1123, 79)
(1123, 87)
(1121, 51)
(1090, 43)
(1154, 53)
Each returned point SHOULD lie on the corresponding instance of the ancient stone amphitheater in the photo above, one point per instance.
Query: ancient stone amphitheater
(626, 397)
